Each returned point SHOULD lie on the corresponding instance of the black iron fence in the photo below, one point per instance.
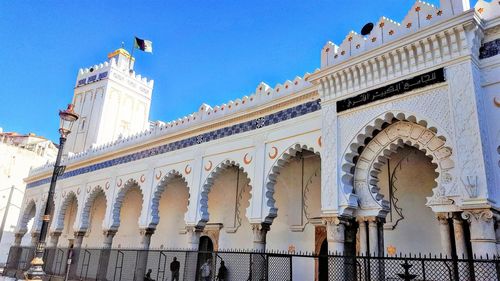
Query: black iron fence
(133, 264)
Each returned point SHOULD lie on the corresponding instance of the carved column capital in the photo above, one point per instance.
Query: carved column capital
(147, 231)
(442, 218)
(480, 215)
(57, 233)
(335, 229)
(109, 232)
(260, 232)
(78, 233)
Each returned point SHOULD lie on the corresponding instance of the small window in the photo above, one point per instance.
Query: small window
(82, 123)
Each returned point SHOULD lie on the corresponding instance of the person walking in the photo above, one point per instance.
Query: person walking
(206, 270)
(174, 268)
(148, 276)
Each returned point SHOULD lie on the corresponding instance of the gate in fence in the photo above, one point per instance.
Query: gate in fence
(123, 264)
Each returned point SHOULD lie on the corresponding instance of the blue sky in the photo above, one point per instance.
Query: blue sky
(204, 51)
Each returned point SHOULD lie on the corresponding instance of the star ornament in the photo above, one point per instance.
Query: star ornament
(391, 250)
(291, 248)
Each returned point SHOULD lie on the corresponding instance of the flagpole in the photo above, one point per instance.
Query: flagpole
(131, 57)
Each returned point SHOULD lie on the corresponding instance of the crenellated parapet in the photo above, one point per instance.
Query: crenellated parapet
(264, 96)
(102, 71)
(420, 16)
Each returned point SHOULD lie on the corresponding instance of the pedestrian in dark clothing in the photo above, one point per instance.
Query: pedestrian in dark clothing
(148, 276)
(222, 272)
(174, 268)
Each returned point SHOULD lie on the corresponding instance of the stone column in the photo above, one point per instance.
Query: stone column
(54, 239)
(51, 250)
(259, 245)
(259, 236)
(142, 255)
(75, 255)
(497, 233)
(15, 252)
(193, 236)
(363, 236)
(335, 234)
(34, 238)
(482, 232)
(460, 243)
(444, 231)
(373, 236)
(105, 254)
(380, 233)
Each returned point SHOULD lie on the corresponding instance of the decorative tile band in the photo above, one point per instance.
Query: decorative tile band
(489, 49)
(250, 125)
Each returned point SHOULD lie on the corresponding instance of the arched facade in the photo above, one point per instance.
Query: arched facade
(433, 94)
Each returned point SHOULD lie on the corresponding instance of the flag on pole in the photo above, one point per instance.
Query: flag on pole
(143, 45)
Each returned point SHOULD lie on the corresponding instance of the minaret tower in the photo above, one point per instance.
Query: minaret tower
(112, 102)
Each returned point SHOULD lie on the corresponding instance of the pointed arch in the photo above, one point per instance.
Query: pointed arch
(118, 202)
(209, 181)
(86, 213)
(160, 188)
(68, 199)
(29, 213)
(273, 173)
(369, 151)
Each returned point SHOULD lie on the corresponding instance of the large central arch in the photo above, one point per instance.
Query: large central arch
(372, 149)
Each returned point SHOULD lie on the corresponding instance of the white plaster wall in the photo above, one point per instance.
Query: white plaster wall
(94, 237)
(222, 204)
(418, 232)
(15, 164)
(172, 207)
(67, 233)
(490, 74)
(128, 234)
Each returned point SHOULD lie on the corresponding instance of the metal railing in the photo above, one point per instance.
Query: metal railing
(124, 264)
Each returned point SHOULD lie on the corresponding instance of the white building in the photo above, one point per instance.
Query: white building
(392, 145)
(18, 154)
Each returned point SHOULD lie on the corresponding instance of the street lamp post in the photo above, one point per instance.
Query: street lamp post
(35, 272)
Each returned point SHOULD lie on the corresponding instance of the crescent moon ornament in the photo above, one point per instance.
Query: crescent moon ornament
(158, 176)
(119, 183)
(274, 153)
(208, 166)
(320, 143)
(64, 194)
(187, 170)
(143, 178)
(246, 160)
(496, 102)
(106, 185)
(78, 191)
(88, 189)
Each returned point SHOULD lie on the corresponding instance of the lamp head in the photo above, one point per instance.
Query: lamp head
(68, 117)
